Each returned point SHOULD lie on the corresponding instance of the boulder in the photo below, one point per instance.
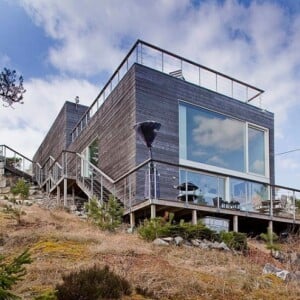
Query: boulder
(178, 240)
(160, 242)
(283, 274)
(168, 239)
(278, 255)
(195, 242)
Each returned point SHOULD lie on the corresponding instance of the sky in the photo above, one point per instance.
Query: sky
(70, 48)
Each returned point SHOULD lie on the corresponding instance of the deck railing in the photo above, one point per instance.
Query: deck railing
(174, 65)
(16, 160)
(152, 180)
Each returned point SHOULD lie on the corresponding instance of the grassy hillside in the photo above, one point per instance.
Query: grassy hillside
(60, 242)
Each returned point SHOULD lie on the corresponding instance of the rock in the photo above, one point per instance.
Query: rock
(195, 242)
(160, 242)
(187, 243)
(168, 239)
(283, 274)
(203, 245)
(130, 230)
(223, 246)
(278, 255)
(178, 240)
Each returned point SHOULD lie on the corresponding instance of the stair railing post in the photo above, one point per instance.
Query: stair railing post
(149, 180)
(101, 189)
(154, 174)
(66, 154)
(92, 180)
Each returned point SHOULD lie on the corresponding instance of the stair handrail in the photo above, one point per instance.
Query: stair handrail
(13, 150)
(23, 157)
(96, 168)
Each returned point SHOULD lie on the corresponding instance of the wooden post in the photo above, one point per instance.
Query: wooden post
(270, 231)
(65, 192)
(235, 223)
(58, 195)
(153, 211)
(194, 217)
(132, 220)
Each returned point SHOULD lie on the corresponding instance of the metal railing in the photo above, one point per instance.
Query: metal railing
(152, 180)
(174, 65)
(159, 180)
(15, 160)
(92, 180)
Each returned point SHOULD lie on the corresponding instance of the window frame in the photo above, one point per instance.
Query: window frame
(265, 178)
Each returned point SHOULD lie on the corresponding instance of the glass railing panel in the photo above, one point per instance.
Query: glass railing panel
(114, 82)
(172, 65)
(152, 58)
(239, 92)
(190, 73)
(297, 205)
(224, 86)
(122, 71)
(208, 79)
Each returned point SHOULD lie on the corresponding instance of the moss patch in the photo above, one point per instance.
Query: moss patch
(67, 249)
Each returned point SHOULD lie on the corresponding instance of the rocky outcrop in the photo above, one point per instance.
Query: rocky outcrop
(179, 241)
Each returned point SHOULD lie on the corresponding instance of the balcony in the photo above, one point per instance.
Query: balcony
(174, 65)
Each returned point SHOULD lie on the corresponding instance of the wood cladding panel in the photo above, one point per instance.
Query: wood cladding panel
(58, 136)
(113, 126)
(157, 98)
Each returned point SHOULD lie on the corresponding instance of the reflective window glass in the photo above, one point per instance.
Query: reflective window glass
(211, 138)
(256, 150)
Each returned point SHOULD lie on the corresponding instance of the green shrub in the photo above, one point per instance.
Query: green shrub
(154, 228)
(107, 216)
(21, 188)
(270, 238)
(234, 240)
(93, 283)
(11, 273)
(157, 228)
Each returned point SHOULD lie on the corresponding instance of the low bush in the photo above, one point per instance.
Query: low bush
(157, 228)
(234, 240)
(271, 239)
(94, 283)
(107, 216)
(21, 188)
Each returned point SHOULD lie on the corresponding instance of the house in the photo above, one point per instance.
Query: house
(212, 157)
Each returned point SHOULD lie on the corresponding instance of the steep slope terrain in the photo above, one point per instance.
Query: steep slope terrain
(60, 242)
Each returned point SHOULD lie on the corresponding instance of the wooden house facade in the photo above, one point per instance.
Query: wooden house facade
(211, 138)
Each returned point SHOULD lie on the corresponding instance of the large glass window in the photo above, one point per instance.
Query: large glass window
(256, 150)
(248, 194)
(217, 140)
(206, 188)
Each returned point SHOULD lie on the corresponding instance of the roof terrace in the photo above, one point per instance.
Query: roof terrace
(174, 65)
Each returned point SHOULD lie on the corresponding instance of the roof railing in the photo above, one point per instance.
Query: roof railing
(174, 65)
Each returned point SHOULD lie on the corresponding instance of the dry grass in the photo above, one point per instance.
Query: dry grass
(60, 243)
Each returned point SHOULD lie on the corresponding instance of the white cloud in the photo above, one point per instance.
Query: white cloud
(24, 127)
(258, 43)
(226, 135)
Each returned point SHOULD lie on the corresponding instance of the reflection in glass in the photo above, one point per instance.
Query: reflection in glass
(256, 149)
(209, 187)
(211, 138)
(249, 194)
